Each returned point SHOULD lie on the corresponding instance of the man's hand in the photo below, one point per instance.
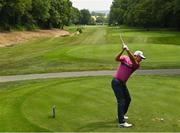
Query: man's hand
(125, 47)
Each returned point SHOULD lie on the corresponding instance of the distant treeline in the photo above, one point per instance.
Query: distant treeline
(31, 14)
(145, 13)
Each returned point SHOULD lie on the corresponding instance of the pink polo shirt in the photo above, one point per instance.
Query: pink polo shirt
(125, 68)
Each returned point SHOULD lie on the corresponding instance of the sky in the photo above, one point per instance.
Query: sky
(92, 5)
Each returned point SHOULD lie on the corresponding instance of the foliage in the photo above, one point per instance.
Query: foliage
(145, 13)
(59, 13)
(85, 17)
(75, 16)
(37, 13)
(40, 11)
(11, 12)
(79, 30)
(99, 18)
(177, 12)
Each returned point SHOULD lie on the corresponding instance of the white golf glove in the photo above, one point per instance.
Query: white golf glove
(125, 46)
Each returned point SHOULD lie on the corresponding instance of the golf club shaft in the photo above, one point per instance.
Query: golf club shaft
(122, 39)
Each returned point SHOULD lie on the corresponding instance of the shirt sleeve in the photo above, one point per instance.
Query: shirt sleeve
(122, 58)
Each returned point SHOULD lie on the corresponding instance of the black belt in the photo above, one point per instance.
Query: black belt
(120, 81)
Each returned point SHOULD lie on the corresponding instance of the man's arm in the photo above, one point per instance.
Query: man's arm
(131, 56)
(119, 55)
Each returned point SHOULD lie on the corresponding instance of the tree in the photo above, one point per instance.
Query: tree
(75, 16)
(12, 12)
(40, 11)
(1, 4)
(145, 13)
(60, 13)
(117, 12)
(85, 17)
(176, 12)
(100, 20)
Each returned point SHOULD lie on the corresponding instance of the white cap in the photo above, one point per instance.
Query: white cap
(139, 53)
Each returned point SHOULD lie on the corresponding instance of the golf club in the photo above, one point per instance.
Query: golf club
(122, 40)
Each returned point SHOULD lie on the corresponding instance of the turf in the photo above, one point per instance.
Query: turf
(88, 104)
(95, 49)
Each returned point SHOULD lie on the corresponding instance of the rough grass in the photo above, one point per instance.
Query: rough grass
(88, 104)
(95, 49)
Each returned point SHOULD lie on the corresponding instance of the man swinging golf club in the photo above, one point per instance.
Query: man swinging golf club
(128, 64)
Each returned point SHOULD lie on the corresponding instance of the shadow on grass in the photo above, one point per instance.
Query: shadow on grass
(97, 126)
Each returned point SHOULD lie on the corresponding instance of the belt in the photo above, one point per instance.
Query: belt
(120, 81)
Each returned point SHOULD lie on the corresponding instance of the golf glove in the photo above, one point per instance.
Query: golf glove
(125, 47)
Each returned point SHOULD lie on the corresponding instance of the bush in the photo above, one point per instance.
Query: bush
(31, 27)
(5, 27)
(79, 30)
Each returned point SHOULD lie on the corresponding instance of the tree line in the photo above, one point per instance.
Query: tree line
(145, 13)
(31, 14)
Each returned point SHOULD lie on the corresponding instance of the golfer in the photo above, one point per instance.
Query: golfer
(128, 64)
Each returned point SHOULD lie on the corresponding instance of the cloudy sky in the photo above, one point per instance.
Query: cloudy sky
(92, 5)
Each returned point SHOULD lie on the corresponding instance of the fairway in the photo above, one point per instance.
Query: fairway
(88, 104)
(95, 49)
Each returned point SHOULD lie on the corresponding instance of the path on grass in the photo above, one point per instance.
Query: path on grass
(84, 74)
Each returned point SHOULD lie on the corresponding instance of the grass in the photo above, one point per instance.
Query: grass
(88, 104)
(95, 49)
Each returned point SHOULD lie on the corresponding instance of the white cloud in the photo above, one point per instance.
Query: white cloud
(92, 5)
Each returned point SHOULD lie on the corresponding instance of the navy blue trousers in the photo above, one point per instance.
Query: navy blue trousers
(123, 98)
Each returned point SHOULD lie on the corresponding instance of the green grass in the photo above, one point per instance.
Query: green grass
(95, 49)
(88, 104)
